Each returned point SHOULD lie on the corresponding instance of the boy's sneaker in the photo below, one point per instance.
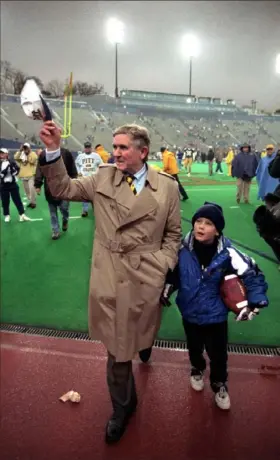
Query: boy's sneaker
(24, 218)
(84, 214)
(222, 398)
(197, 381)
(7, 219)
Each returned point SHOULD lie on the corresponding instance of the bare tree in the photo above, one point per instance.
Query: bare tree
(55, 88)
(7, 73)
(82, 88)
(19, 81)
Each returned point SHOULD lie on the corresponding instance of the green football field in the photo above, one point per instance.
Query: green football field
(45, 282)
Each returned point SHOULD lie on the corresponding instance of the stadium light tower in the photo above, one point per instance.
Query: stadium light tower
(115, 33)
(190, 49)
(278, 64)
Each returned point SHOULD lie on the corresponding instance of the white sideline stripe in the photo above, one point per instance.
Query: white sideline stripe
(35, 220)
(75, 217)
(234, 207)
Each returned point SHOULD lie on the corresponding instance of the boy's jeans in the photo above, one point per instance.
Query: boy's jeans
(64, 209)
(214, 338)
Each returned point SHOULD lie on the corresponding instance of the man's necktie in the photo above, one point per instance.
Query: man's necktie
(129, 180)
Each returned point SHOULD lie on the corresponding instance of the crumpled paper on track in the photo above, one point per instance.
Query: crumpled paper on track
(72, 396)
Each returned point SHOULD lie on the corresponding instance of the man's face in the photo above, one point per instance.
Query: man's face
(88, 150)
(26, 150)
(128, 155)
(269, 152)
(245, 149)
(204, 230)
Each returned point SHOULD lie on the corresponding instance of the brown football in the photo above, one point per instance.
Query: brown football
(233, 293)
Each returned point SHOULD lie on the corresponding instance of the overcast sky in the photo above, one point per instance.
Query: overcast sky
(239, 44)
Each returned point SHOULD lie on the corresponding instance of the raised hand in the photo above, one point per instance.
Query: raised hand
(50, 135)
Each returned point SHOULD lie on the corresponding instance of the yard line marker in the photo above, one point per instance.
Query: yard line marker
(234, 207)
(35, 220)
(75, 217)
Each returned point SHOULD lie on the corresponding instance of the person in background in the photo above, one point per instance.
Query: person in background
(180, 155)
(229, 160)
(188, 160)
(266, 183)
(244, 167)
(210, 159)
(170, 166)
(9, 187)
(267, 220)
(87, 163)
(274, 166)
(204, 259)
(27, 161)
(102, 153)
(219, 159)
(111, 159)
(53, 203)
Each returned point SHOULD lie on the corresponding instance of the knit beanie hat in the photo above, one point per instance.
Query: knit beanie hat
(213, 212)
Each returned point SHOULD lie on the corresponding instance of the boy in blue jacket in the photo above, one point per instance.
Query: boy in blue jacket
(204, 259)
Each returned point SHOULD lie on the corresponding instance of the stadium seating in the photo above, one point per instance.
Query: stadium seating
(95, 118)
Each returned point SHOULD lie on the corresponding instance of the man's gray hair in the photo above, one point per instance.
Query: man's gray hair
(136, 132)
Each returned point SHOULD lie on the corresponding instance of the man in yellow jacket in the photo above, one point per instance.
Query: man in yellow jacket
(27, 162)
(229, 160)
(102, 153)
(170, 166)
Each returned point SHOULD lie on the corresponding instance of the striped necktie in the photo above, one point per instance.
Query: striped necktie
(129, 180)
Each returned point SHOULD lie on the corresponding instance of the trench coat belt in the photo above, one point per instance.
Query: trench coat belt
(122, 248)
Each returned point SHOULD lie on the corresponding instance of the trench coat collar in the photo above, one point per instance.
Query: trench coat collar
(152, 177)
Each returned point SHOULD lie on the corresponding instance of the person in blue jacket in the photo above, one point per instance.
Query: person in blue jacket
(266, 183)
(205, 258)
(244, 167)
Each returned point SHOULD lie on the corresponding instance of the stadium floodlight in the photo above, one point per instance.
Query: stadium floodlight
(190, 49)
(278, 64)
(115, 34)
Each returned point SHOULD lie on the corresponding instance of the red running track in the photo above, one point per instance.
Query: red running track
(172, 421)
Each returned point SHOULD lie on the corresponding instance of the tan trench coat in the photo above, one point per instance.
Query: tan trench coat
(137, 239)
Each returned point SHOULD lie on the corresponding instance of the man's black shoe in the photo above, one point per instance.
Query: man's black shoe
(145, 355)
(116, 426)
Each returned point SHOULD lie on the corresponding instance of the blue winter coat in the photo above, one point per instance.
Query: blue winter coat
(199, 298)
(244, 164)
(266, 183)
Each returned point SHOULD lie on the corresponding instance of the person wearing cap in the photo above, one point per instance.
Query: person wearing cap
(170, 166)
(9, 187)
(87, 163)
(266, 183)
(27, 161)
(205, 257)
(244, 167)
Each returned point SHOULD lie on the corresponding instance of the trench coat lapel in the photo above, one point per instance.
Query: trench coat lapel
(141, 205)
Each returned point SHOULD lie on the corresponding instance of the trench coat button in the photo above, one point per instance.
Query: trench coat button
(114, 245)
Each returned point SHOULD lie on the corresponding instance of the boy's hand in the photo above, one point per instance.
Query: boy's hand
(247, 314)
(38, 191)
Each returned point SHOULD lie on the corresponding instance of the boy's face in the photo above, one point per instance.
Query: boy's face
(204, 230)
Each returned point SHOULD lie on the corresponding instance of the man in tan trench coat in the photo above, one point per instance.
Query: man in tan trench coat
(137, 237)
